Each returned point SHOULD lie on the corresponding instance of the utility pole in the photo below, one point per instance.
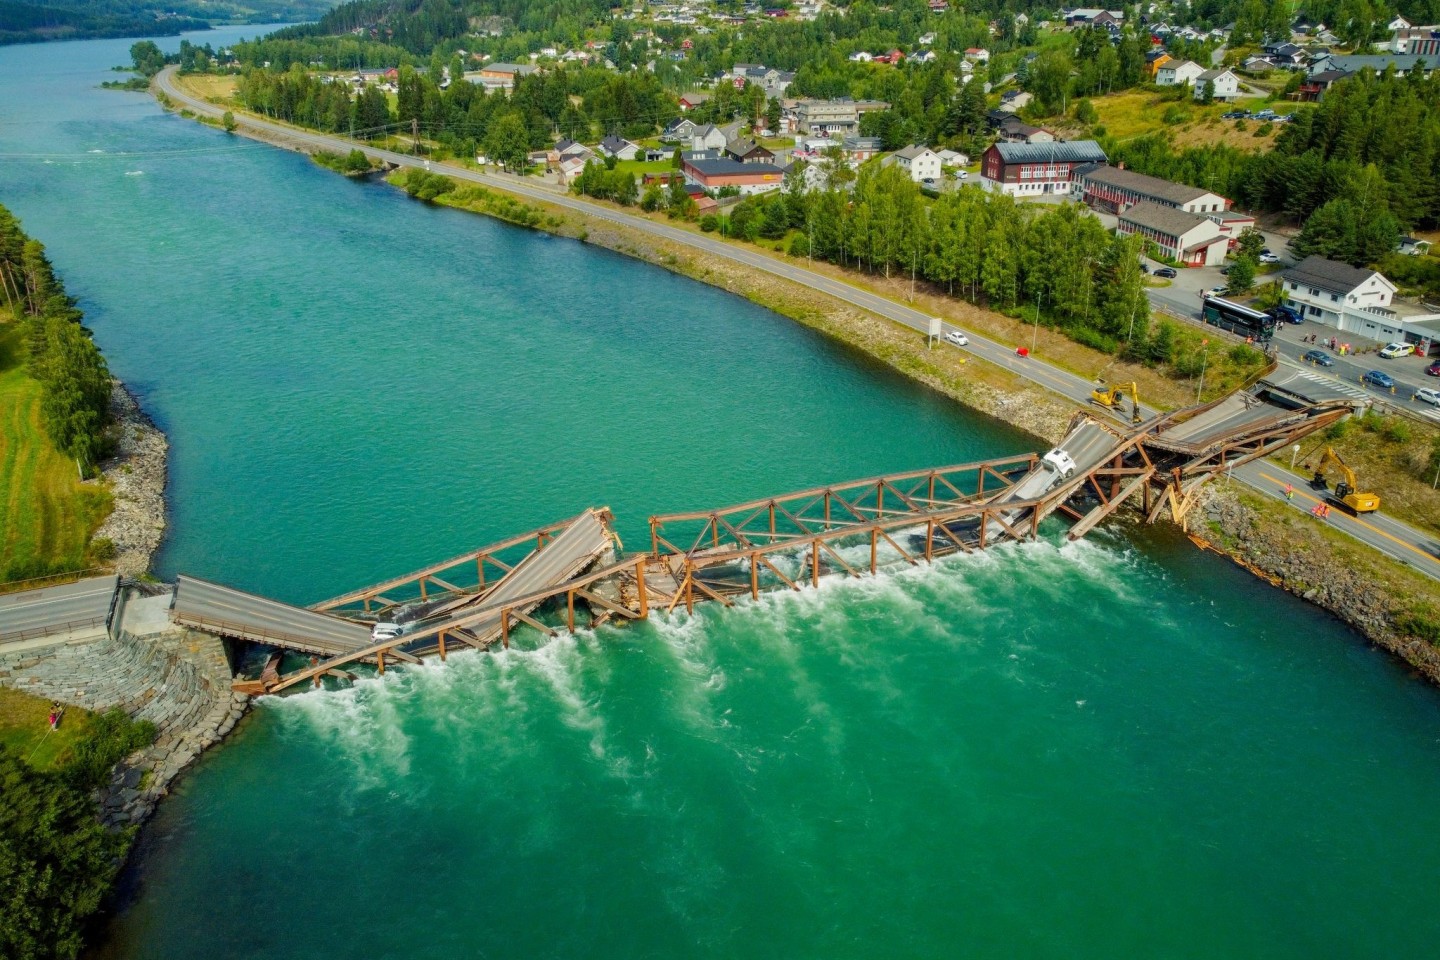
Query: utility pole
(1035, 337)
(414, 136)
(1204, 358)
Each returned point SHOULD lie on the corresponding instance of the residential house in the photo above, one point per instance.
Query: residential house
(773, 82)
(619, 148)
(1416, 41)
(689, 101)
(1091, 16)
(569, 149)
(860, 56)
(679, 130)
(952, 158)
(812, 176)
(1116, 189)
(921, 163)
(708, 137)
(1257, 65)
(1287, 55)
(1012, 129)
(1178, 73)
(1315, 86)
(1156, 59)
(977, 54)
(748, 178)
(1379, 62)
(834, 117)
(1359, 301)
(1187, 238)
(572, 167)
(1221, 84)
(507, 71)
(1031, 169)
(1412, 247)
(746, 150)
(924, 56)
(1014, 100)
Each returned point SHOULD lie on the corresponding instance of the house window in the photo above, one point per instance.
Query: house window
(1314, 292)
(1314, 311)
(1334, 298)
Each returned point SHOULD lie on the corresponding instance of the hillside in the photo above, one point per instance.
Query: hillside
(25, 22)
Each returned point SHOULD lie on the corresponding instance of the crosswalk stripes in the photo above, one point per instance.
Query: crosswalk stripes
(1334, 384)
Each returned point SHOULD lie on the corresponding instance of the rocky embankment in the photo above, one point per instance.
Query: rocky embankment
(179, 680)
(1298, 555)
(136, 475)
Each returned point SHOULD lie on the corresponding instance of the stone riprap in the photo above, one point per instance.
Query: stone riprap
(177, 679)
(136, 476)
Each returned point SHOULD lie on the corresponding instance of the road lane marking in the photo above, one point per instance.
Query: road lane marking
(1369, 526)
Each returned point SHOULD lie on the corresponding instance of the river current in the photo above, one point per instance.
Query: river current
(1116, 748)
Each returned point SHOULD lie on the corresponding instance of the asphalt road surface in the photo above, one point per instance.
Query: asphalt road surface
(49, 610)
(1399, 541)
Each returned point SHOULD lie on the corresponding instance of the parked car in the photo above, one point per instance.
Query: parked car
(963, 175)
(1235, 115)
(1434, 369)
(1393, 350)
(1269, 258)
(957, 338)
(1214, 292)
(1378, 378)
(1427, 395)
(1286, 315)
(1144, 268)
(1318, 357)
(1167, 273)
(1266, 114)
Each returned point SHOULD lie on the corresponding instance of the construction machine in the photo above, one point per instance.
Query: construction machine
(1347, 492)
(1110, 398)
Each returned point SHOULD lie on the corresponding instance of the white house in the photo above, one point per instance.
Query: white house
(952, 158)
(921, 163)
(619, 148)
(1326, 291)
(708, 137)
(1224, 84)
(1174, 74)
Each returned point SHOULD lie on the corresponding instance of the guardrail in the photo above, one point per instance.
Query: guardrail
(52, 629)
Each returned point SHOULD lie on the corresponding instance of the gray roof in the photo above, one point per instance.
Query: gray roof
(743, 146)
(1378, 61)
(912, 151)
(1073, 151)
(615, 144)
(1212, 75)
(725, 165)
(1167, 220)
(1328, 274)
(1143, 184)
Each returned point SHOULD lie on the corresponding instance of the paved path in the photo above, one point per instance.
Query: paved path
(1052, 378)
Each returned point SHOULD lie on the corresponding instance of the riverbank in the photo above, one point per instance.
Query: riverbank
(973, 382)
(136, 476)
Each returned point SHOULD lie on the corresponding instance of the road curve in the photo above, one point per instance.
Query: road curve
(1389, 536)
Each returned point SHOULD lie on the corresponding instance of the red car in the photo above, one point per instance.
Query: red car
(1434, 369)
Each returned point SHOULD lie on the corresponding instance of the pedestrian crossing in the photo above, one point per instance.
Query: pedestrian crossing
(1349, 389)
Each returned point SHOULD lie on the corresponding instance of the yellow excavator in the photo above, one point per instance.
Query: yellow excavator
(1347, 492)
(1110, 397)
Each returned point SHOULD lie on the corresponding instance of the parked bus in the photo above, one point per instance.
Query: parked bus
(1238, 320)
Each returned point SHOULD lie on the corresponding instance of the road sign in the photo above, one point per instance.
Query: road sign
(936, 324)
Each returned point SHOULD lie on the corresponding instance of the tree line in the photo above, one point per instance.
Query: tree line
(1356, 169)
(59, 354)
(57, 860)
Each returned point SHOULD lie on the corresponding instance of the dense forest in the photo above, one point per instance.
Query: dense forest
(25, 22)
(56, 859)
(59, 351)
(1356, 168)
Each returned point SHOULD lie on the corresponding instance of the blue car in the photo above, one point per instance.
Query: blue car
(1286, 315)
(1379, 378)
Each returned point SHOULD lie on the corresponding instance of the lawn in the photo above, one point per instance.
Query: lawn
(25, 729)
(46, 514)
(215, 89)
(639, 167)
(1136, 113)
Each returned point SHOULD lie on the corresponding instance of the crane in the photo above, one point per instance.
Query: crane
(1347, 492)
(1110, 397)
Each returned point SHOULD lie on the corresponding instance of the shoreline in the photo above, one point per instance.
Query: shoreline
(138, 475)
(995, 392)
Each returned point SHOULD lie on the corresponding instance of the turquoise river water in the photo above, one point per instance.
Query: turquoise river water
(1118, 748)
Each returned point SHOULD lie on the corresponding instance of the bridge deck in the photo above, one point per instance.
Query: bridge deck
(562, 559)
(245, 616)
(50, 612)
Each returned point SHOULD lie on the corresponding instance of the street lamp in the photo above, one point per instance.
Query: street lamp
(1204, 358)
(1294, 452)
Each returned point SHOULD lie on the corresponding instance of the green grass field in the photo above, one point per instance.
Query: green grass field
(46, 514)
(24, 728)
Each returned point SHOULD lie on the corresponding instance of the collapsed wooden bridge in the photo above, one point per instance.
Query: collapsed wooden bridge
(578, 567)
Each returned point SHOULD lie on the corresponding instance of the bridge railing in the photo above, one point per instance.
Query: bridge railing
(52, 629)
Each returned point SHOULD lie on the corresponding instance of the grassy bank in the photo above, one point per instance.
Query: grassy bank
(25, 729)
(47, 515)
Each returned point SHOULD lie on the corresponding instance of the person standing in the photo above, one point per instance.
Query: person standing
(1289, 492)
